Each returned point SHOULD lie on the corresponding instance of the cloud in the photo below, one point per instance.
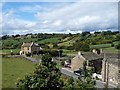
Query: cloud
(32, 9)
(63, 18)
(82, 16)
(13, 25)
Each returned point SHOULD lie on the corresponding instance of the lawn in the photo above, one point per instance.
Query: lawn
(14, 68)
(9, 50)
(100, 46)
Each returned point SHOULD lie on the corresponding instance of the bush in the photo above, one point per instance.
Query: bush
(112, 45)
(28, 54)
(55, 45)
(117, 46)
(62, 62)
(81, 47)
(70, 48)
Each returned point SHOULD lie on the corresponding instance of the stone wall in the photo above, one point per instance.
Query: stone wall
(112, 70)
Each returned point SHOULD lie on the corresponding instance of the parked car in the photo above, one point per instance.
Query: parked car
(68, 65)
(79, 72)
(95, 75)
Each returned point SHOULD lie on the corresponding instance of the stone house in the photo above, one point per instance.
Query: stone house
(107, 63)
(32, 48)
(110, 68)
(92, 59)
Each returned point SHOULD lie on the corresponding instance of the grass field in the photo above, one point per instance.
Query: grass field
(69, 42)
(14, 68)
(100, 46)
(9, 50)
(110, 49)
(51, 40)
(70, 52)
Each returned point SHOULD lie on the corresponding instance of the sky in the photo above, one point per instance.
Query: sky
(58, 17)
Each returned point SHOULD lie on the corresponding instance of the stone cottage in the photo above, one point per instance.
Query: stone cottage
(110, 68)
(32, 48)
(107, 63)
(93, 60)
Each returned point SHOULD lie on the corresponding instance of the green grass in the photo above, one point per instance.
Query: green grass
(70, 52)
(50, 40)
(9, 50)
(69, 42)
(100, 46)
(117, 42)
(110, 49)
(14, 68)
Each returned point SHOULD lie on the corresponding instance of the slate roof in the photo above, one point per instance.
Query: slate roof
(111, 55)
(29, 44)
(114, 58)
(91, 56)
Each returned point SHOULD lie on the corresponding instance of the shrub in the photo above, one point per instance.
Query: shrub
(117, 46)
(112, 45)
(28, 54)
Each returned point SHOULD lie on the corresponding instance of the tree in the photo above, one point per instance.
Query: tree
(85, 83)
(5, 37)
(117, 46)
(47, 75)
(81, 47)
(85, 33)
(55, 45)
(69, 84)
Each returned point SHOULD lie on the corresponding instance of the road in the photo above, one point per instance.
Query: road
(68, 72)
(32, 59)
(27, 58)
(99, 84)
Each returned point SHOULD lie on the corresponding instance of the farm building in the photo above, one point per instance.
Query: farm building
(92, 60)
(107, 64)
(110, 68)
(31, 48)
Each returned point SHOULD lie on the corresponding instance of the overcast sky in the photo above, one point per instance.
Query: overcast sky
(58, 17)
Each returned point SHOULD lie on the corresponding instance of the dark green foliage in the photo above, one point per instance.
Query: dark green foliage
(55, 53)
(85, 33)
(117, 46)
(62, 62)
(112, 45)
(46, 75)
(70, 48)
(5, 37)
(55, 45)
(81, 47)
(28, 54)
(69, 84)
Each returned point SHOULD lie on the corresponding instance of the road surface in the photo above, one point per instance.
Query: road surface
(99, 84)
(68, 72)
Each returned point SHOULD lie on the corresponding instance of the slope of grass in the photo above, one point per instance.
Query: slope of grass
(14, 68)
(9, 50)
(50, 40)
(110, 49)
(100, 46)
(117, 42)
(69, 42)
